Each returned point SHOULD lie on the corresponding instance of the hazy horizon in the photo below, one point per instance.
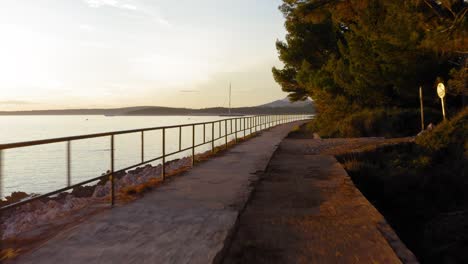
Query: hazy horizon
(120, 53)
(137, 106)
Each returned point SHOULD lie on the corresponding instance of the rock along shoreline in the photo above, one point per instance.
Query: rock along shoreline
(35, 214)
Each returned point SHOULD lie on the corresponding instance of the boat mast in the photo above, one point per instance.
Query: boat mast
(229, 97)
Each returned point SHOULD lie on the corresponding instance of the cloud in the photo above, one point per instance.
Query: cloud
(164, 22)
(110, 3)
(130, 5)
(87, 27)
(15, 102)
(94, 44)
(189, 91)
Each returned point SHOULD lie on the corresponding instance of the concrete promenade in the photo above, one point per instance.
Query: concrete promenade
(305, 209)
(186, 220)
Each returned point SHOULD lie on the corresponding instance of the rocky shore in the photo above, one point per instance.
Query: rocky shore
(45, 211)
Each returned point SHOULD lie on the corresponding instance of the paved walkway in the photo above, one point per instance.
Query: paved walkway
(305, 209)
(186, 220)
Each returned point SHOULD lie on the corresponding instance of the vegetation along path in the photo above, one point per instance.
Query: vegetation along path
(305, 209)
(186, 220)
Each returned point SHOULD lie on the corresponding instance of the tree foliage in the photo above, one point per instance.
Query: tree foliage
(350, 55)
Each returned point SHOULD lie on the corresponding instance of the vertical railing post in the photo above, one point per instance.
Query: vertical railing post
(112, 172)
(236, 127)
(254, 123)
(163, 165)
(225, 133)
(212, 137)
(1, 173)
(204, 133)
(180, 138)
(142, 146)
(244, 125)
(68, 163)
(193, 145)
(251, 124)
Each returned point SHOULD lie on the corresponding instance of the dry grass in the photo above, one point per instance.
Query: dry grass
(9, 253)
(129, 194)
(219, 150)
(351, 164)
(10, 249)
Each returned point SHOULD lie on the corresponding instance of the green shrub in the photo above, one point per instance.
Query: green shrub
(421, 188)
(393, 122)
(447, 135)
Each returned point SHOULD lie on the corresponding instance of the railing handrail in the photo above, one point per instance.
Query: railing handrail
(254, 122)
(119, 132)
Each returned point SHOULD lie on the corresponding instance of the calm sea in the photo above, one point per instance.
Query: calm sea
(39, 169)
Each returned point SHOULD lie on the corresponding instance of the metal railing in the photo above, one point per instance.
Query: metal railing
(241, 125)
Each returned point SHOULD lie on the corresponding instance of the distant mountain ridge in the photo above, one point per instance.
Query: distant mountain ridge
(286, 103)
(276, 107)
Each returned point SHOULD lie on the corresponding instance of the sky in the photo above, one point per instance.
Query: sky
(58, 54)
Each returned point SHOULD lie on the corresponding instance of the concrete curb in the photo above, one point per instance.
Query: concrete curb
(219, 258)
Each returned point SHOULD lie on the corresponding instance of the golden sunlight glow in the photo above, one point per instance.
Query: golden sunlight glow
(110, 53)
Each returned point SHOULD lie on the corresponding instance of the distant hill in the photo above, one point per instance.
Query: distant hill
(276, 107)
(94, 111)
(286, 103)
(222, 110)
